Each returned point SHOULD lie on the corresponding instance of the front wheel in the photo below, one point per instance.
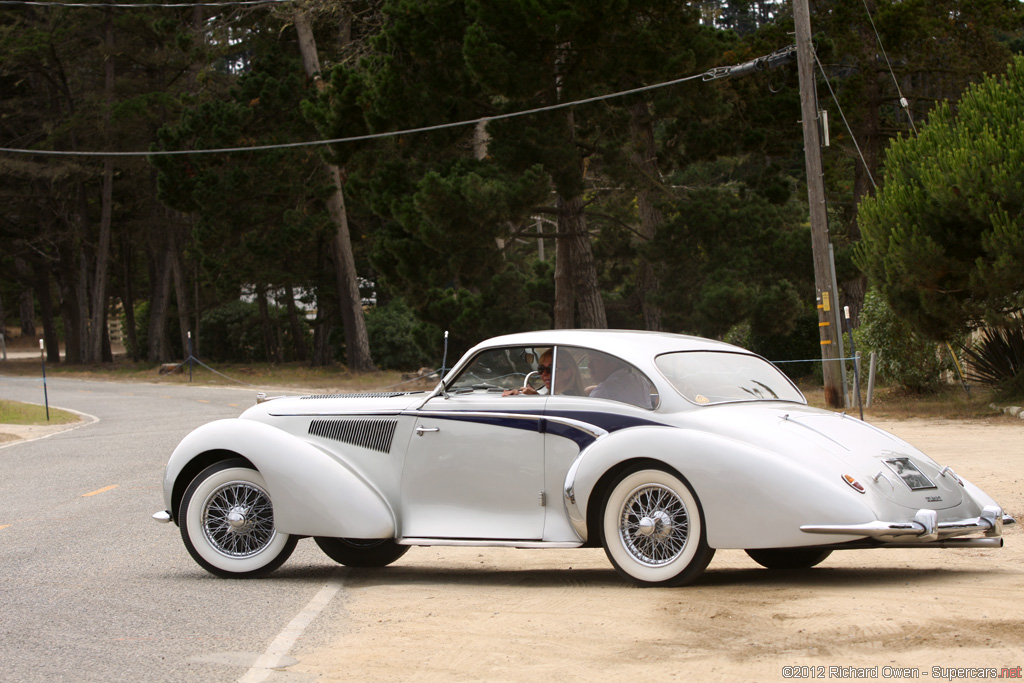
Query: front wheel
(227, 522)
(653, 529)
(789, 558)
(360, 552)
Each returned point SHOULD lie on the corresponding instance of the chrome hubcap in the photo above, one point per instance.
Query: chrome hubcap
(238, 519)
(654, 525)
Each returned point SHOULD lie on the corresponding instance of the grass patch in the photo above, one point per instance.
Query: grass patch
(15, 413)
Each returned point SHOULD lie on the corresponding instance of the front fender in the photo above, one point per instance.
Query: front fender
(751, 497)
(314, 494)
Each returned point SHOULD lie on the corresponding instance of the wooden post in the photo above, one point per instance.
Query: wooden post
(826, 296)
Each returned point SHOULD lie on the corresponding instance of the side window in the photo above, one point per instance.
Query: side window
(495, 370)
(602, 375)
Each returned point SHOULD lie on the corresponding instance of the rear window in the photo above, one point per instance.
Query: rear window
(710, 377)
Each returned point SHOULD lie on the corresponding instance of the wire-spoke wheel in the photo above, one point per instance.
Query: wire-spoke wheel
(227, 522)
(653, 531)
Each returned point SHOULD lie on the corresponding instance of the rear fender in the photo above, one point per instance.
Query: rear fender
(314, 494)
(751, 497)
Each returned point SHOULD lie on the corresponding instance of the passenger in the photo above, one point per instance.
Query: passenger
(616, 381)
(567, 376)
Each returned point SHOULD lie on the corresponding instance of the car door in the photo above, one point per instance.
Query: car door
(474, 468)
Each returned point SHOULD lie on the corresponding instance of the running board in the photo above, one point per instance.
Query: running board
(488, 542)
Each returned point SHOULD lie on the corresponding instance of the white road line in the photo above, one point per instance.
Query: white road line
(285, 640)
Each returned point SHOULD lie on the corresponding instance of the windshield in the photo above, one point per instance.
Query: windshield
(709, 377)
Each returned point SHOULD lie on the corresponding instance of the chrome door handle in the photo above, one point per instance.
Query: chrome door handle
(420, 431)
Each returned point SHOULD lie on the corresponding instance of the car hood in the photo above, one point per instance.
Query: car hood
(337, 405)
(880, 462)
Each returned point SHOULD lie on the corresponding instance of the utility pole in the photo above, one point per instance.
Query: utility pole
(826, 297)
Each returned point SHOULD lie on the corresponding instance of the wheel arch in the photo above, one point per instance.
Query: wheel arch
(750, 496)
(314, 493)
(608, 480)
(192, 469)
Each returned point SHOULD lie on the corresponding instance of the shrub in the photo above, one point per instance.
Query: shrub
(998, 361)
(904, 358)
(393, 333)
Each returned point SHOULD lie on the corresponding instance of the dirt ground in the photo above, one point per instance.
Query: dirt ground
(461, 614)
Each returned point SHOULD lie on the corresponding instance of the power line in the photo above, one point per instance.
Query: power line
(903, 100)
(359, 138)
(142, 5)
(774, 59)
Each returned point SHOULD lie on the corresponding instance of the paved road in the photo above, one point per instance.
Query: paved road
(92, 589)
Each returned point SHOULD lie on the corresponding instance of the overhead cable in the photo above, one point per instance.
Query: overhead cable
(867, 169)
(142, 5)
(903, 100)
(370, 136)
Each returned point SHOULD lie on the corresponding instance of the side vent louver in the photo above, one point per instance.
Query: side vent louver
(374, 434)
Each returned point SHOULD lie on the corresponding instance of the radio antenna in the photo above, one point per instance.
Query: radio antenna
(444, 358)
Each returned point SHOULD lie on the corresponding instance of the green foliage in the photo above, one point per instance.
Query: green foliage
(730, 256)
(944, 238)
(905, 359)
(998, 360)
(394, 333)
(233, 332)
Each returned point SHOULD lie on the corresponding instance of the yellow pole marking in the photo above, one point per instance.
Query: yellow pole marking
(102, 490)
(826, 342)
(824, 324)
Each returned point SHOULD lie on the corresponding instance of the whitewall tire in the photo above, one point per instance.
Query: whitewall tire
(653, 529)
(227, 522)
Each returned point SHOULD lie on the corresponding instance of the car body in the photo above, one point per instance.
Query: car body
(711, 447)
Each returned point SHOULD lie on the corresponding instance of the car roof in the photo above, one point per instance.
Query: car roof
(637, 346)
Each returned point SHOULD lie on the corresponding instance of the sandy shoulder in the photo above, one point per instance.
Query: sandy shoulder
(12, 433)
(514, 615)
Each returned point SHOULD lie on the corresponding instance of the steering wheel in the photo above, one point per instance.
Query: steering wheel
(529, 376)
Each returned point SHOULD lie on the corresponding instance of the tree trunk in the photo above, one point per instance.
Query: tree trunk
(66, 272)
(26, 303)
(644, 155)
(159, 350)
(298, 332)
(177, 258)
(128, 301)
(269, 336)
(573, 223)
(98, 321)
(357, 342)
(52, 341)
(565, 295)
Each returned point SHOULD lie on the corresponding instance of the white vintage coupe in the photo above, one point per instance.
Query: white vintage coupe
(661, 448)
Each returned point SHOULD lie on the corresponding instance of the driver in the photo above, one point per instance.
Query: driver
(567, 381)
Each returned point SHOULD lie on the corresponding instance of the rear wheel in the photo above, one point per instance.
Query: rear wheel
(653, 529)
(227, 522)
(789, 558)
(361, 552)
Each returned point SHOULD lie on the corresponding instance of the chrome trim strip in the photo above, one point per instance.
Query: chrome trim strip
(948, 543)
(486, 542)
(590, 430)
(923, 528)
(335, 413)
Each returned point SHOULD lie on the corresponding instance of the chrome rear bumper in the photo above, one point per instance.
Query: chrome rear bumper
(924, 528)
